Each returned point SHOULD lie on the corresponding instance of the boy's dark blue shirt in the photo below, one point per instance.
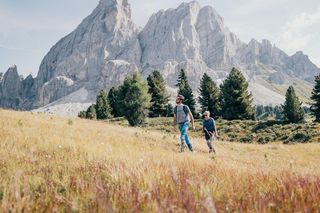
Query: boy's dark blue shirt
(208, 124)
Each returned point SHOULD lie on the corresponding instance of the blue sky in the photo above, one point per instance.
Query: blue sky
(29, 28)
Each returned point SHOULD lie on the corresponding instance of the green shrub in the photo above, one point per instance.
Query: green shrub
(232, 137)
(264, 139)
(91, 112)
(265, 124)
(284, 137)
(247, 139)
(301, 137)
(82, 114)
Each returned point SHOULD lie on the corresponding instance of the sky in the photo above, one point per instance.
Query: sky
(29, 28)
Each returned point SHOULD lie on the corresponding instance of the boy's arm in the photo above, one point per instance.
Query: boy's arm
(215, 131)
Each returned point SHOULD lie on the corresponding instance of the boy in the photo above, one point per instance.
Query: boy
(209, 129)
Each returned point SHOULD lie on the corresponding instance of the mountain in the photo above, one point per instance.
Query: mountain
(14, 90)
(107, 46)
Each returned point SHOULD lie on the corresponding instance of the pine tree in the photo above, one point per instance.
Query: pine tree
(134, 99)
(186, 91)
(292, 110)
(259, 110)
(169, 110)
(102, 106)
(236, 100)
(315, 106)
(113, 100)
(159, 95)
(209, 96)
(91, 112)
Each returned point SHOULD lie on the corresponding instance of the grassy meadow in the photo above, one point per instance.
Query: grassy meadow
(50, 163)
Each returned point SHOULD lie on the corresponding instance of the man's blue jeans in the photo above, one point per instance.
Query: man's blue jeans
(184, 135)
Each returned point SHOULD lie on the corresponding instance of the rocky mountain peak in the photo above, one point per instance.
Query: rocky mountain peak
(109, 3)
(11, 74)
(213, 14)
(266, 43)
(192, 8)
(11, 84)
(300, 66)
(301, 55)
(115, 13)
(188, 32)
(79, 59)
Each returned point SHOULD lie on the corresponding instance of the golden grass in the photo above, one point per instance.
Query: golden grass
(56, 164)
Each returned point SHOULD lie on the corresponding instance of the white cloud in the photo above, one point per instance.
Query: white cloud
(253, 6)
(300, 32)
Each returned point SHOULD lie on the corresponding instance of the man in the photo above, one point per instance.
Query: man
(183, 116)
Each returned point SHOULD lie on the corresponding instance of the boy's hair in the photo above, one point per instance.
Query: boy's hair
(206, 113)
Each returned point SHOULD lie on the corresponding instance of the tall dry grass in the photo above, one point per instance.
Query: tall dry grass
(55, 164)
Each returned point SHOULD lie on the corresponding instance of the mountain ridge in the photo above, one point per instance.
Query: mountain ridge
(107, 45)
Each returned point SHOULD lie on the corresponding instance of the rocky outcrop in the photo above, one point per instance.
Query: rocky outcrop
(10, 89)
(14, 90)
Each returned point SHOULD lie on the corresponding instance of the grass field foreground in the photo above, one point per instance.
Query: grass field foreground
(50, 163)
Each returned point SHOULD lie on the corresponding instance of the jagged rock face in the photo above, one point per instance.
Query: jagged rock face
(11, 83)
(187, 33)
(264, 53)
(301, 67)
(171, 35)
(298, 65)
(218, 45)
(114, 72)
(16, 92)
(107, 34)
(27, 87)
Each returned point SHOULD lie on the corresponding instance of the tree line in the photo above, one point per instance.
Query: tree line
(137, 99)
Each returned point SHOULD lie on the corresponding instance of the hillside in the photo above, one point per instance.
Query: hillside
(53, 164)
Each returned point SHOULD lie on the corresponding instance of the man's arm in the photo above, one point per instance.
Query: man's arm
(174, 122)
(192, 120)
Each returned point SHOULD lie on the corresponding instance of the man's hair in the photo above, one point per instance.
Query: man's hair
(180, 97)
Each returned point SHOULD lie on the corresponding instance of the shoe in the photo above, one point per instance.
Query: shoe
(212, 150)
(182, 148)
